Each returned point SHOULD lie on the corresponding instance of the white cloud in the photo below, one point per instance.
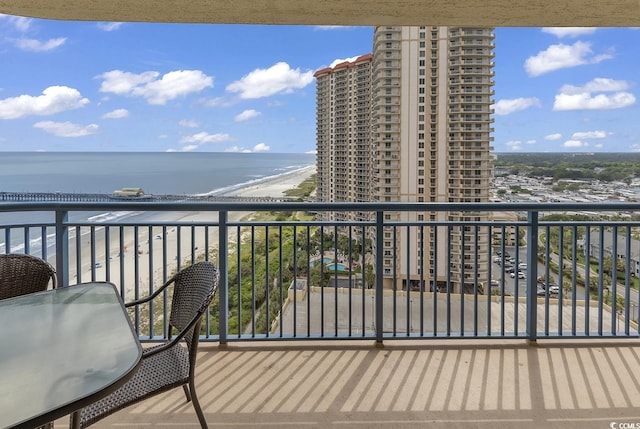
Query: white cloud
(587, 102)
(574, 144)
(237, 149)
(155, 89)
(561, 56)
(506, 107)
(312, 152)
(279, 78)
(189, 148)
(246, 115)
(124, 83)
(66, 129)
(556, 136)
(569, 31)
(582, 98)
(203, 137)
(188, 123)
(261, 147)
(599, 84)
(340, 61)
(54, 99)
(332, 27)
(514, 144)
(19, 22)
(109, 26)
(589, 135)
(35, 45)
(215, 102)
(116, 114)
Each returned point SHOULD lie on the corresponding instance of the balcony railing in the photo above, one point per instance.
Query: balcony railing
(289, 275)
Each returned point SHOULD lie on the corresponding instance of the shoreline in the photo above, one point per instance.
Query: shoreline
(274, 186)
(157, 251)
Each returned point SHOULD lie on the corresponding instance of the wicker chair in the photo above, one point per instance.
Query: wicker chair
(170, 364)
(22, 274)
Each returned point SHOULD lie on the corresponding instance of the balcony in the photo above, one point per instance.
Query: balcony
(298, 349)
(340, 384)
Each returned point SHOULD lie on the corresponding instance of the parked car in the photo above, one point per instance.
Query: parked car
(554, 289)
(521, 275)
(522, 265)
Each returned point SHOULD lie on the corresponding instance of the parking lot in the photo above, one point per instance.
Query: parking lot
(515, 273)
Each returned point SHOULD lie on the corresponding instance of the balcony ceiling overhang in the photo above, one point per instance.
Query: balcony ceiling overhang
(490, 13)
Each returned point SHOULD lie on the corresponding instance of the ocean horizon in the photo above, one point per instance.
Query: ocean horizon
(159, 173)
(176, 173)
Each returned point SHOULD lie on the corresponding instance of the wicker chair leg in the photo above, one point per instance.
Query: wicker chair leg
(196, 405)
(186, 392)
(75, 420)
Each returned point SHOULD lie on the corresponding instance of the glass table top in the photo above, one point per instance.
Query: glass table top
(62, 349)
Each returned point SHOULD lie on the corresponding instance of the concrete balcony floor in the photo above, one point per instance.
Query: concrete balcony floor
(405, 384)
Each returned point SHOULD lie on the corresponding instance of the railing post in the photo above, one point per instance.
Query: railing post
(379, 271)
(223, 287)
(62, 247)
(532, 278)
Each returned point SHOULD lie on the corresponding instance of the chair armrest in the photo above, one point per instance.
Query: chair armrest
(153, 295)
(175, 340)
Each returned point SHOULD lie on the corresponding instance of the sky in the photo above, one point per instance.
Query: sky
(100, 86)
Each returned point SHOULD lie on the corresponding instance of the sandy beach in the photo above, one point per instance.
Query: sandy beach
(277, 186)
(128, 262)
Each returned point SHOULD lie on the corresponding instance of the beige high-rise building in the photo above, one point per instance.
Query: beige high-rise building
(412, 123)
(432, 134)
(343, 134)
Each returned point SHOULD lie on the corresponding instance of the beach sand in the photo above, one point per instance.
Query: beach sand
(172, 247)
(277, 186)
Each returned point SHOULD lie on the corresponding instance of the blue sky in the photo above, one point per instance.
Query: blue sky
(86, 86)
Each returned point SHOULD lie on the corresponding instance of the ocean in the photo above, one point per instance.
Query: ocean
(157, 173)
(175, 173)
